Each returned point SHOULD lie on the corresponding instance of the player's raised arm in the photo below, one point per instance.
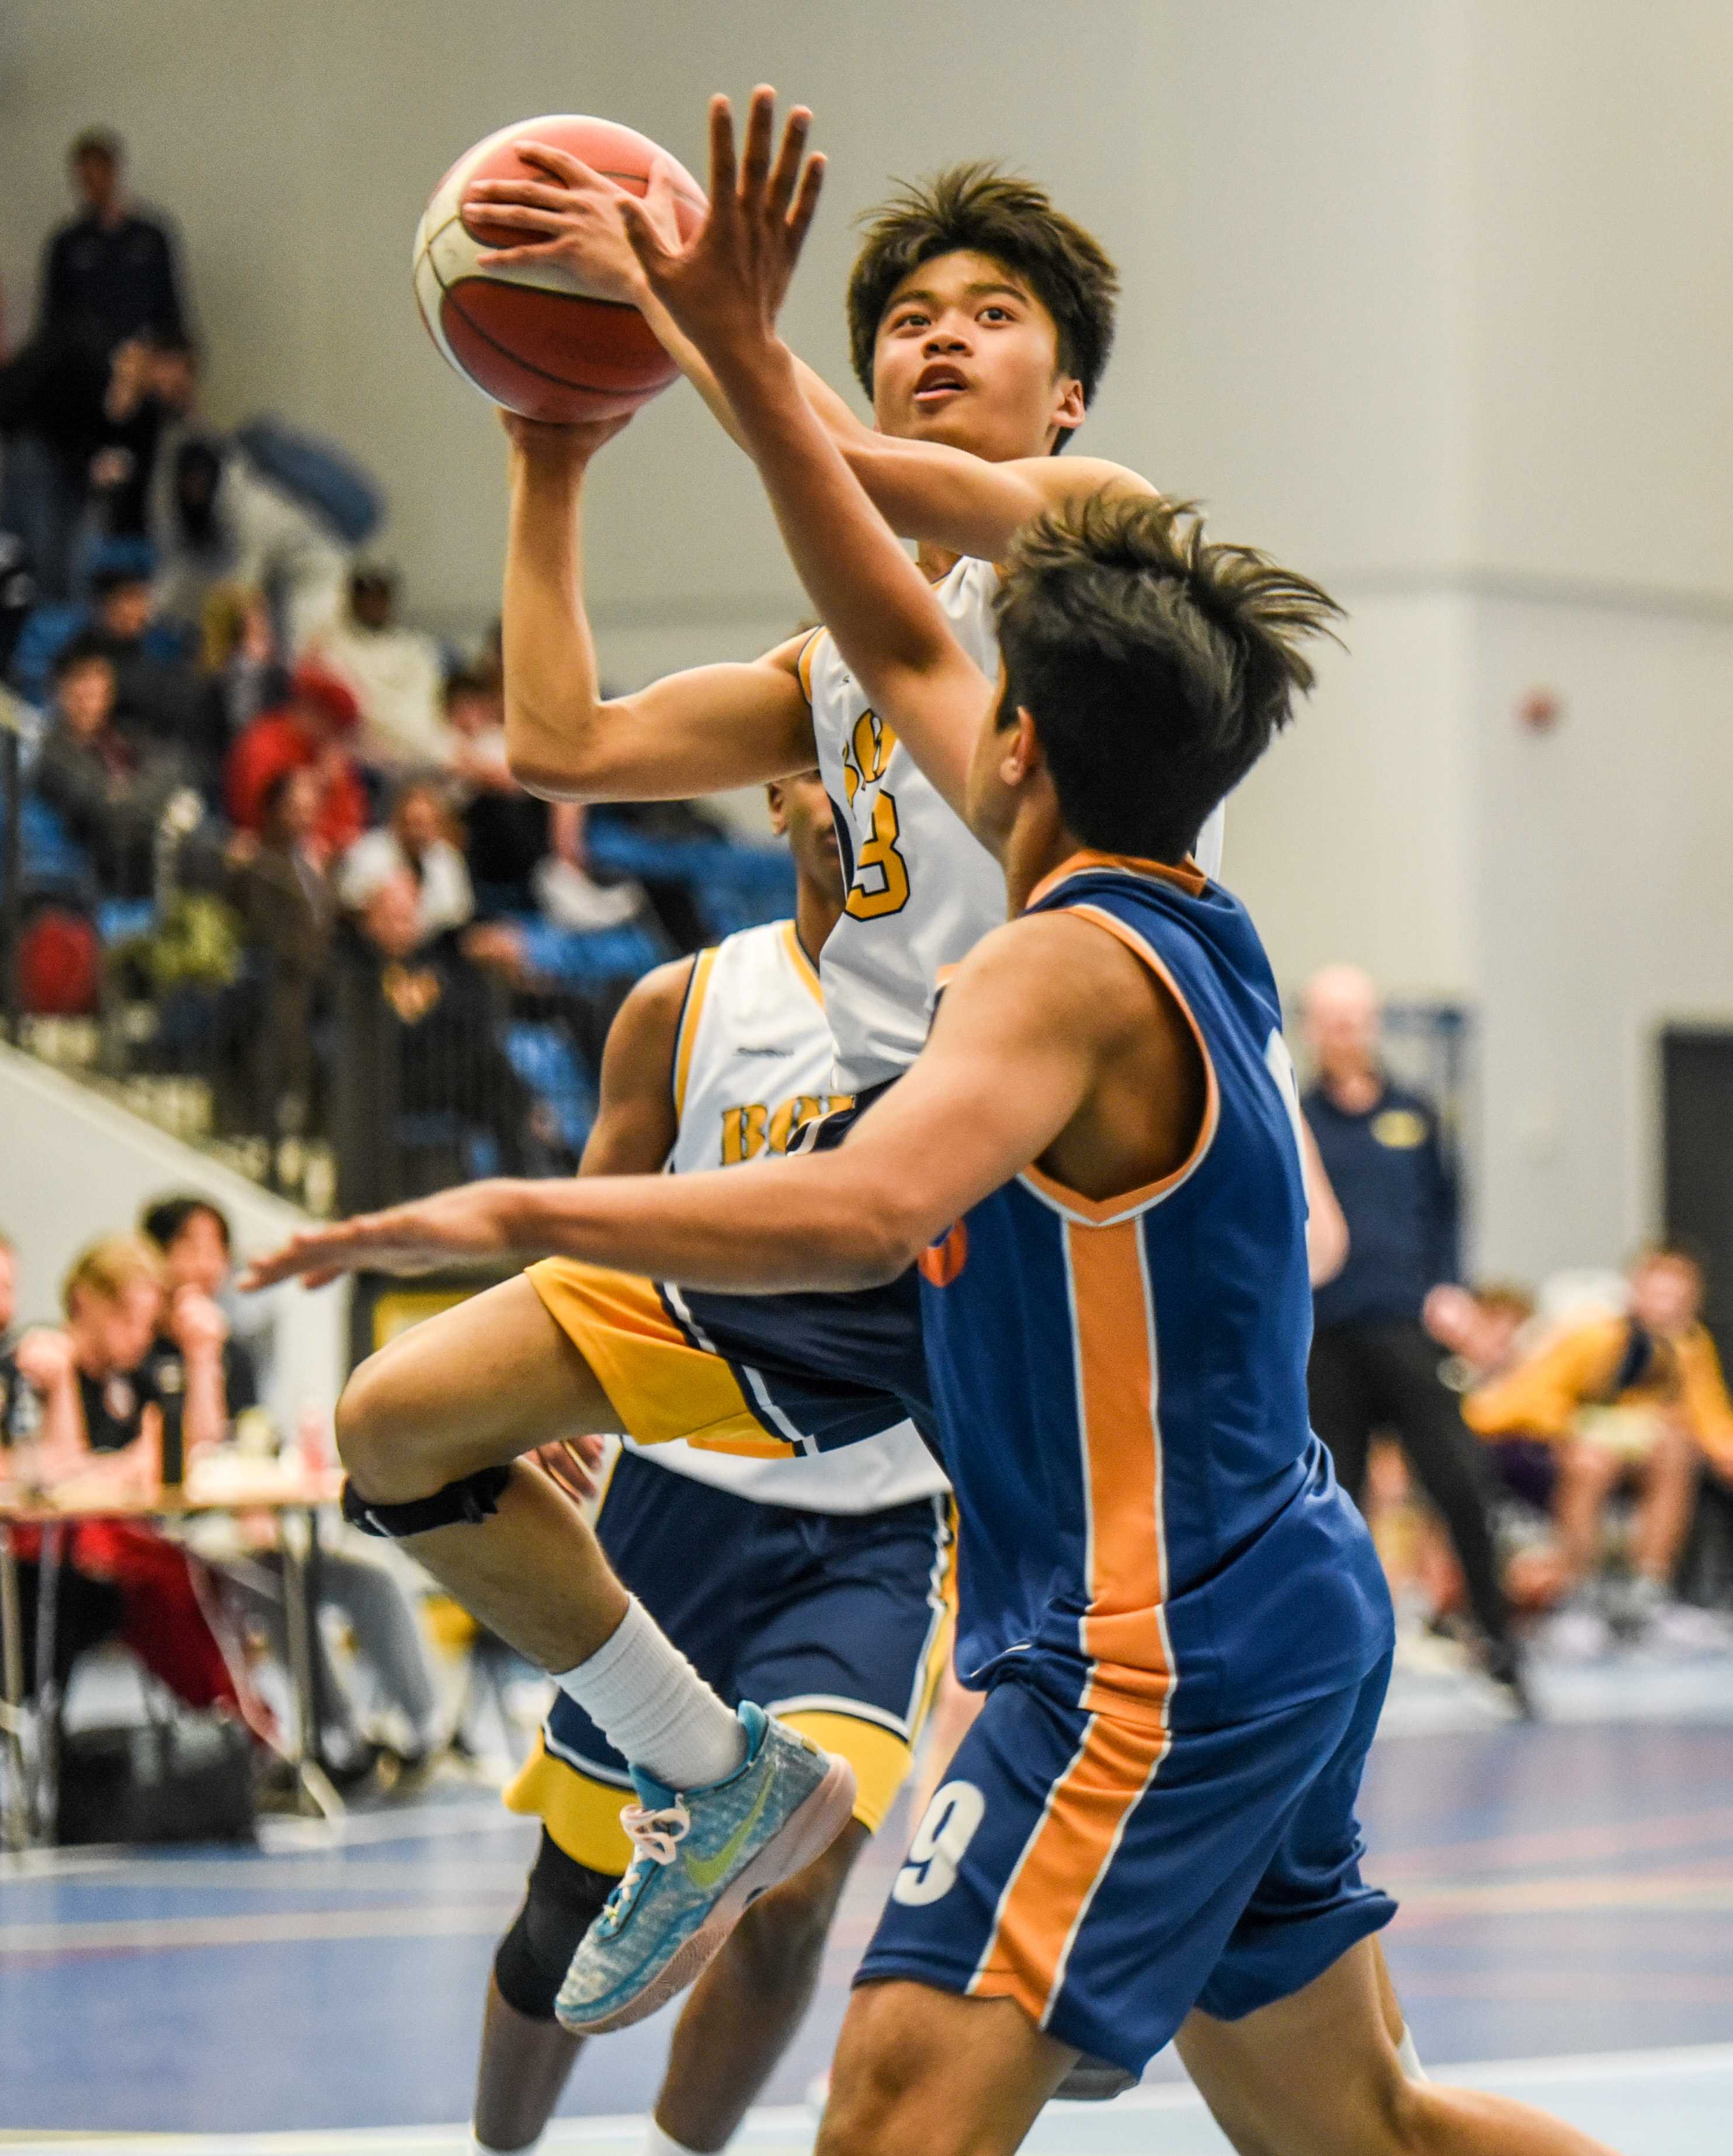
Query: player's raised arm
(723, 290)
(930, 490)
(695, 732)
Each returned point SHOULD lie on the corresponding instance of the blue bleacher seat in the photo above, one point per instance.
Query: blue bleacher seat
(544, 1057)
(734, 885)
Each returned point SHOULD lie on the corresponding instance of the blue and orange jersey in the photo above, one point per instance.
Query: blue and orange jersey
(1122, 1385)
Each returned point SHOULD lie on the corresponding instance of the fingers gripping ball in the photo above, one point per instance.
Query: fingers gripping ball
(530, 334)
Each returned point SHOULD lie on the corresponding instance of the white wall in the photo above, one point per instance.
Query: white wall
(74, 1167)
(1433, 298)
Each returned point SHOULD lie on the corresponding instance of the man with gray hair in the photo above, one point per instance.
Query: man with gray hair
(1373, 1365)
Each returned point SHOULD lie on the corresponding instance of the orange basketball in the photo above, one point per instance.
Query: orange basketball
(531, 335)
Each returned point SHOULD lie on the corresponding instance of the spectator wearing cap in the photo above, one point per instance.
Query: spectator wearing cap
(1373, 1366)
(111, 789)
(312, 732)
(396, 673)
(416, 842)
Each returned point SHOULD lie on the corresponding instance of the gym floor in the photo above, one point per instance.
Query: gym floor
(1566, 1890)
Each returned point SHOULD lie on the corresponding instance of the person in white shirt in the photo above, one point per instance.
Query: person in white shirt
(416, 839)
(396, 674)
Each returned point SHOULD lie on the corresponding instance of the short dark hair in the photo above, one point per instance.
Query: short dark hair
(163, 1220)
(1157, 665)
(97, 142)
(982, 209)
(114, 577)
(85, 649)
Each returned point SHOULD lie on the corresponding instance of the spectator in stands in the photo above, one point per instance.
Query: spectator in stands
(396, 673)
(111, 790)
(1372, 1364)
(107, 276)
(240, 657)
(312, 732)
(506, 830)
(450, 1063)
(280, 891)
(214, 519)
(151, 388)
(111, 272)
(160, 698)
(115, 1297)
(1635, 1400)
(193, 1236)
(38, 1395)
(416, 842)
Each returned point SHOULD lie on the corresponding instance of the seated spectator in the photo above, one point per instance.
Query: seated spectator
(193, 1236)
(279, 887)
(312, 732)
(395, 672)
(506, 830)
(440, 1017)
(111, 790)
(214, 519)
(239, 655)
(416, 843)
(159, 697)
(115, 1298)
(1634, 1400)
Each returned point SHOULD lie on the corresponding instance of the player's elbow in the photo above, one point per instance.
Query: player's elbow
(552, 761)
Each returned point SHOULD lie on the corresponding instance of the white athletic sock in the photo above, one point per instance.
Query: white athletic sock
(663, 2144)
(1410, 2058)
(653, 1707)
(478, 2147)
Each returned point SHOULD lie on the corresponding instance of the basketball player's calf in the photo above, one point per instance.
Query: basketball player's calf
(740, 2020)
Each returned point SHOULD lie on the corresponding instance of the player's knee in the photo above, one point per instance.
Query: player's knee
(561, 1903)
(374, 1439)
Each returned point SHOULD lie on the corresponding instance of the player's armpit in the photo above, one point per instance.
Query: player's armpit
(636, 1120)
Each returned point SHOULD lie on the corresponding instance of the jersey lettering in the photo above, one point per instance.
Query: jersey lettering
(753, 1128)
(881, 882)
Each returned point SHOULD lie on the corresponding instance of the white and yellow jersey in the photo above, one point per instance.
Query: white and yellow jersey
(753, 1061)
(922, 891)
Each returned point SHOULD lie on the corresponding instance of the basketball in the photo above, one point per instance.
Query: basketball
(531, 335)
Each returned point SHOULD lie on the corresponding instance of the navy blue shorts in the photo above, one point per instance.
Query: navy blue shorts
(839, 1623)
(1109, 1875)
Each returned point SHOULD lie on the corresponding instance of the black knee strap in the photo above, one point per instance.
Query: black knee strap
(462, 1504)
(563, 1900)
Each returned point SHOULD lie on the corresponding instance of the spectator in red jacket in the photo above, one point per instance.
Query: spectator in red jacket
(311, 732)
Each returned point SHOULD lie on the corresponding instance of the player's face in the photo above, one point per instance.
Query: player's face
(800, 809)
(966, 354)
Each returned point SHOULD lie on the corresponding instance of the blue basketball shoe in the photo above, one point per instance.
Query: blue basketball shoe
(700, 1859)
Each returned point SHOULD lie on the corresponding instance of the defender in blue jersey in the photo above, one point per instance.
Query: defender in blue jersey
(1149, 1832)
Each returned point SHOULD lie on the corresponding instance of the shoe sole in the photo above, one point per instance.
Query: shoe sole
(806, 1834)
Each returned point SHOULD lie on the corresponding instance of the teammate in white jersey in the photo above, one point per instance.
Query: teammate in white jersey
(821, 1593)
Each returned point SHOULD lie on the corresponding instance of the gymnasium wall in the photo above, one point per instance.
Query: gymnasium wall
(1432, 298)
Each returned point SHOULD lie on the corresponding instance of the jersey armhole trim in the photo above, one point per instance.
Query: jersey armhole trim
(802, 965)
(803, 664)
(1107, 1212)
(686, 1032)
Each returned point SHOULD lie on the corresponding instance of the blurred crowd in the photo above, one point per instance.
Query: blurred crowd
(1549, 1466)
(254, 798)
(153, 1365)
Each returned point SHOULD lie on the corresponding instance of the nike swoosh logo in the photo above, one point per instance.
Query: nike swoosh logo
(706, 1873)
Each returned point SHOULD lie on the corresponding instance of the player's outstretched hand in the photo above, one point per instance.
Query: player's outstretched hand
(726, 285)
(406, 1239)
(571, 214)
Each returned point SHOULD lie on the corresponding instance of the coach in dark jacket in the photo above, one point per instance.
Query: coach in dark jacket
(1374, 1366)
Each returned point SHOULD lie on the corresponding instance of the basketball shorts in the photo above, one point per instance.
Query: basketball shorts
(1108, 1877)
(802, 1372)
(839, 1624)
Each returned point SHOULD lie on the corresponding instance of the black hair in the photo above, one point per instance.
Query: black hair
(164, 1218)
(981, 209)
(84, 650)
(1156, 665)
